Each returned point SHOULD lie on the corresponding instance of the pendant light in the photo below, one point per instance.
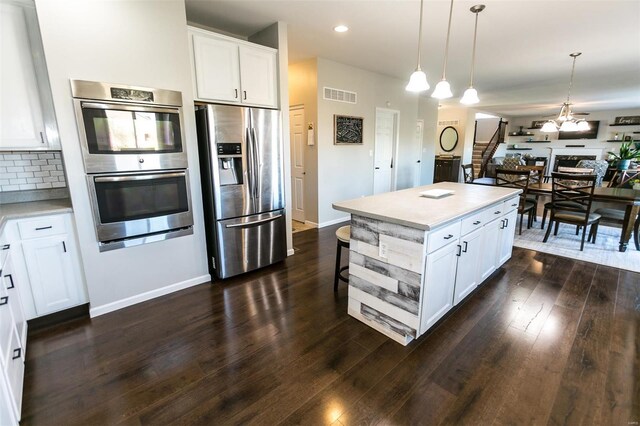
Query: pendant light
(471, 95)
(566, 122)
(443, 88)
(418, 80)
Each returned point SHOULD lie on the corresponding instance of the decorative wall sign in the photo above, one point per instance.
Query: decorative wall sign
(347, 130)
(537, 124)
(628, 119)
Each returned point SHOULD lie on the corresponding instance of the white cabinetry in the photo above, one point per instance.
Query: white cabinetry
(27, 120)
(461, 255)
(233, 71)
(13, 332)
(47, 264)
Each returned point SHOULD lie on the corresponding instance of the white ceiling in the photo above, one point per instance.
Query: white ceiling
(522, 65)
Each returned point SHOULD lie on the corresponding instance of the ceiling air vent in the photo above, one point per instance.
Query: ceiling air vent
(448, 122)
(338, 95)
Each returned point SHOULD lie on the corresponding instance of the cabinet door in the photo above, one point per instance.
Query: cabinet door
(6, 408)
(467, 277)
(216, 68)
(258, 76)
(9, 281)
(21, 118)
(488, 261)
(50, 268)
(507, 235)
(439, 282)
(14, 372)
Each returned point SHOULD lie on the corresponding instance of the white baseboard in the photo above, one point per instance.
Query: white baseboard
(331, 222)
(290, 252)
(308, 222)
(143, 297)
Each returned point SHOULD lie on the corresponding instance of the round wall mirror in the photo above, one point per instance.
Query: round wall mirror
(448, 139)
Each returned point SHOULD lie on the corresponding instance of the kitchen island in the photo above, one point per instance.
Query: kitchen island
(412, 258)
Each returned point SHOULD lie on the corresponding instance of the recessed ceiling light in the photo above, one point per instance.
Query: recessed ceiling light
(341, 29)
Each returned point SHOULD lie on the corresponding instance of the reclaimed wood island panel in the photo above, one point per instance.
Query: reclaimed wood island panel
(412, 258)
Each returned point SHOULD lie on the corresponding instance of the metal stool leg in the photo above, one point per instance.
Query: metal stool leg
(337, 272)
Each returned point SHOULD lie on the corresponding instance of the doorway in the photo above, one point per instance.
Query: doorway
(386, 145)
(297, 138)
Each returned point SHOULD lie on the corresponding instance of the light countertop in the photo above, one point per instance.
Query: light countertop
(407, 207)
(33, 208)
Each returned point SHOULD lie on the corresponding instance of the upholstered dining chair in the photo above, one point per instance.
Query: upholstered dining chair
(518, 179)
(467, 173)
(571, 199)
(599, 168)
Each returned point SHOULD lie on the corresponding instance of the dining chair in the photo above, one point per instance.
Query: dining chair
(616, 216)
(518, 179)
(467, 172)
(571, 199)
(599, 168)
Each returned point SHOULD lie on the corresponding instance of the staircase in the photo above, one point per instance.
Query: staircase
(483, 152)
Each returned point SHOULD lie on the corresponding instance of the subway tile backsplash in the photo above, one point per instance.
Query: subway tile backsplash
(29, 170)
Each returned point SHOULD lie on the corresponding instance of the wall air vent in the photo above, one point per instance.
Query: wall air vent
(339, 95)
(448, 122)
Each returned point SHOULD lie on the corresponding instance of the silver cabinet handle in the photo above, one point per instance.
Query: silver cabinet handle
(254, 223)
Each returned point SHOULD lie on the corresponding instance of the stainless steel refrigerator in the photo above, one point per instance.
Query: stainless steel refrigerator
(242, 181)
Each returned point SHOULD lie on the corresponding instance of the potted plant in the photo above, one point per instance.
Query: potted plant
(635, 184)
(627, 153)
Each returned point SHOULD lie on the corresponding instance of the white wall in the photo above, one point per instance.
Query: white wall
(135, 42)
(428, 112)
(346, 172)
(605, 132)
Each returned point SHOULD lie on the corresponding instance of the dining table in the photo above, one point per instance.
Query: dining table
(629, 198)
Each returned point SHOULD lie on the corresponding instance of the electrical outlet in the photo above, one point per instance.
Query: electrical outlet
(383, 250)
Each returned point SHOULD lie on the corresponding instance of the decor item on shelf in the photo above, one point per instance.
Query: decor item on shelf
(566, 121)
(520, 132)
(443, 88)
(418, 80)
(627, 138)
(635, 184)
(347, 130)
(625, 156)
(470, 96)
(628, 120)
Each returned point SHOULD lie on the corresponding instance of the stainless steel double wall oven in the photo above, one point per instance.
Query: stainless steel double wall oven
(134, 155)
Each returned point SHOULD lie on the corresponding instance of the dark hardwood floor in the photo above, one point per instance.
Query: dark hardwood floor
(546, 340)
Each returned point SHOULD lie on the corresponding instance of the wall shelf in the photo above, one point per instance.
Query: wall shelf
(537, 141)
(519, 149)
(618, 125)
(617, 140)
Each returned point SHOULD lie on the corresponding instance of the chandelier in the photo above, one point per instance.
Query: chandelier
(566, 121)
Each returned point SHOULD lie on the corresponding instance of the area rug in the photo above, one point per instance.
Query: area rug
(567, 244)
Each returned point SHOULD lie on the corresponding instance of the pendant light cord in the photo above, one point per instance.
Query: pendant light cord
(473, 55)
(420, 35)
(573, 68)
(446, 46)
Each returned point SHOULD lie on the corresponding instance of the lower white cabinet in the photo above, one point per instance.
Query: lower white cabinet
(488, 262)
(439, 284)
(13, 336)
(467, 275)
(52, 274)
(506, 236)
(46, 263)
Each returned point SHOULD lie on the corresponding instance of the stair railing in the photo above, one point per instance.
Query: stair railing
(490, 150)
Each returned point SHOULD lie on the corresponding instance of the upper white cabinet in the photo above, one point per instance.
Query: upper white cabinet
(233, 71)
(27, 119)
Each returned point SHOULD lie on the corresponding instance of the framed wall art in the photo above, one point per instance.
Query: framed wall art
(347, 130)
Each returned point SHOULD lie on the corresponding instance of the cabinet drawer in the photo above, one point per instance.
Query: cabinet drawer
(493, 212)
(15, 372)
(441, 237)
(42, 227)
(472, 222)
(4, 251)
(511, 204)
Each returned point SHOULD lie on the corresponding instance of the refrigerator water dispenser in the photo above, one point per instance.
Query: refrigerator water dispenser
(230, 163)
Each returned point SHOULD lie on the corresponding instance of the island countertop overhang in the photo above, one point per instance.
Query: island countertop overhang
(407, 207)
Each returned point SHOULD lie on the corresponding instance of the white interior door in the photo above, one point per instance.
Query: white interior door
(297, 129)
(418, 148)
(385, 146)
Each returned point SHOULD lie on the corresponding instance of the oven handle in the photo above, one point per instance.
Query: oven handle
(117, 106)
(254, 223)
(138, 177)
